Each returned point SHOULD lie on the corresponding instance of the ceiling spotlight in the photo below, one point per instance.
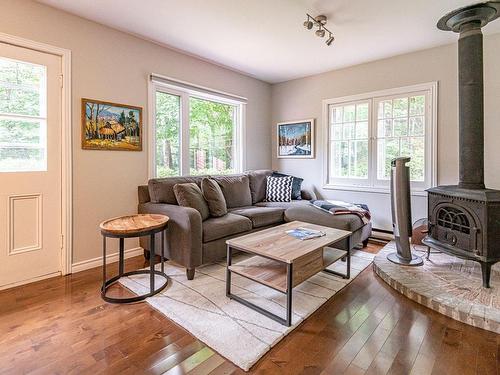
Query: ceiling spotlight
(319, 22)
(320, 19)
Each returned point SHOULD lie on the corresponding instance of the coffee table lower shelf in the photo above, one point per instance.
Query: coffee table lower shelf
(282, 276)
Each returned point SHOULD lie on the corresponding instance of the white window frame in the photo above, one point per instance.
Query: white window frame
(185, 91)
(371, 184)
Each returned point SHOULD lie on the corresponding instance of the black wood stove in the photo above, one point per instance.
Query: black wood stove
(464, 220)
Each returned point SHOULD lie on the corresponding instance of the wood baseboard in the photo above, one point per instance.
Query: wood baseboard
(110, 258)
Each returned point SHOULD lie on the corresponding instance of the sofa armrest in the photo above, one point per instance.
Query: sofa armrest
(184, 235)
(143, 194)
(307, 194)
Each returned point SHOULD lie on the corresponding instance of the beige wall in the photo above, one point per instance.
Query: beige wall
(302, 98)
(114, 66)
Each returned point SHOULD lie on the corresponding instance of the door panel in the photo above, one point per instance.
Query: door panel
(25, 223)
(30, 165)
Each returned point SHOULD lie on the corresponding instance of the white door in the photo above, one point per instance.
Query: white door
(30, 165)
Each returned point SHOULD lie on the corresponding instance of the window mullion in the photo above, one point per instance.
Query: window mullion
(238, 139)
(372, 172)
(184, 134)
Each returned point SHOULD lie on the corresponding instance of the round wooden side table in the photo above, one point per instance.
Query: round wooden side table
(134, 226)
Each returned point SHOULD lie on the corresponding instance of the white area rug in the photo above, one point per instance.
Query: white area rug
(238, 333)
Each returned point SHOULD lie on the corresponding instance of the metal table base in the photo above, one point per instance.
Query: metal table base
(289, 282)
(151, 271)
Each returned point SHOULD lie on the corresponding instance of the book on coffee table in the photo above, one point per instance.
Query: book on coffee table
(305, 233)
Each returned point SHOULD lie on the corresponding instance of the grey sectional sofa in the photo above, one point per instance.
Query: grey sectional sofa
(192, 242)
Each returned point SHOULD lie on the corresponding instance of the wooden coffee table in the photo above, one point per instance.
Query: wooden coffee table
(282, 262)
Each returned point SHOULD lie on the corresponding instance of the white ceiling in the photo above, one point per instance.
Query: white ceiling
(266, 39)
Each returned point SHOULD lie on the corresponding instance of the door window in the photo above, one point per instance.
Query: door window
(23, 116)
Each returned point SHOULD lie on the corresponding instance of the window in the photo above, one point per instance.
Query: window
(349, 141)
(211, 137)
(23, 116)
(196, 131)
(366, 132)
(168, 126)
(401, 132)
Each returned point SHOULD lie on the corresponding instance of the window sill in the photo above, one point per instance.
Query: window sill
(370, 189)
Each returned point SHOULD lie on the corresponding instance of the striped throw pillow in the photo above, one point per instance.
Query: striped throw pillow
(279, 189)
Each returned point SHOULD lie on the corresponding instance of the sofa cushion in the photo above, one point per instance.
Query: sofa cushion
(296, 185)
(258, 184)
(350, 222)
(236, 190)
(214, 197)
(313, 215)
(161, 190)
(227, 225)
(284, 205)
(189, 195)
(261, 216)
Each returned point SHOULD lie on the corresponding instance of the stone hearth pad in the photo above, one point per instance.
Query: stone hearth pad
(446, 284)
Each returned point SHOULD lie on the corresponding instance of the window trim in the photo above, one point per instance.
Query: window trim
(373, 185)
(186, 90)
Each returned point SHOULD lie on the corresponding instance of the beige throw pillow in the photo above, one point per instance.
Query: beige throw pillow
(189, 195)
(214, 197)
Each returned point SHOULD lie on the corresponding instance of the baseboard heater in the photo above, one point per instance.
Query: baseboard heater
(381, 235)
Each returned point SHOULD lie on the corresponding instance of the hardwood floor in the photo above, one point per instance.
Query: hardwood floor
(62, 326)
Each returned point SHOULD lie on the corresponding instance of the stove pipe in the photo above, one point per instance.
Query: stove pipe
(471, 107)
(468, 22)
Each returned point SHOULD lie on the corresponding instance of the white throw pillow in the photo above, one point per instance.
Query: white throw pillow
(279, 189)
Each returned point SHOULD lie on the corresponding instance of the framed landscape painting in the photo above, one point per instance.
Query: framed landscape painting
(111, 126)
(296, 139)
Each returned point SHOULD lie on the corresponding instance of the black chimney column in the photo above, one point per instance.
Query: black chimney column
(471, 106)
(468, 21)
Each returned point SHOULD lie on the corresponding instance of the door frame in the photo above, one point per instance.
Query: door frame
(66, 145)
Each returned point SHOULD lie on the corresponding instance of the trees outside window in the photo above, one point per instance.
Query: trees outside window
(168, 118)
(401, 132)
(23, 117)
(349, 141)
(211, 134)
(211, 129)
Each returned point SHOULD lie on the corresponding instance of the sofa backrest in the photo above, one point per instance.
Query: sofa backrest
(236, 189)
(239, 190)
(258, 182)
(161, 190)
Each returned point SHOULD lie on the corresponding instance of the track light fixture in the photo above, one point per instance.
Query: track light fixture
(320, 32)
(319, 22)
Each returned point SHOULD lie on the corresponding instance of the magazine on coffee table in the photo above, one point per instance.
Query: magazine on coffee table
(305, 233)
